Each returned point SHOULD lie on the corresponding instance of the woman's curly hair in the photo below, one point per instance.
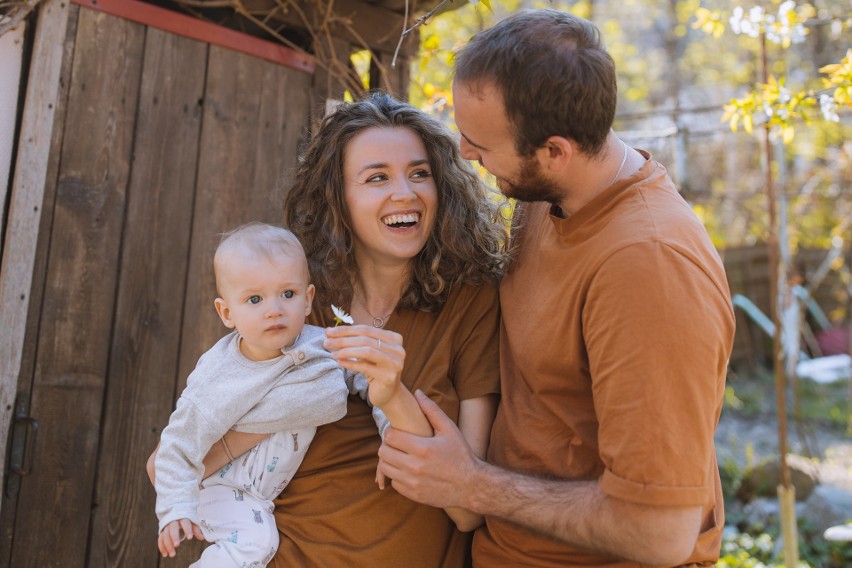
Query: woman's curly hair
(468, 241)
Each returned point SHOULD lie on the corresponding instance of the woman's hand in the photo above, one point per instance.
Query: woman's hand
(376, 353)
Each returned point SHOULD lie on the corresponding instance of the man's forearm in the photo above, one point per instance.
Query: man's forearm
(580, 513)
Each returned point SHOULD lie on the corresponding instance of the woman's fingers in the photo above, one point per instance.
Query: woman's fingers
(388, 357)
(361, 334)
(366, 349)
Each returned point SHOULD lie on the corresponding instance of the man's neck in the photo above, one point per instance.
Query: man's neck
(592, 175)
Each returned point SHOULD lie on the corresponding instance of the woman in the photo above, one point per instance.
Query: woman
(397, 229)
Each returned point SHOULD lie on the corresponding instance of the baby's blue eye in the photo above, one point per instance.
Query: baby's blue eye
(288, 294)
(254, 299)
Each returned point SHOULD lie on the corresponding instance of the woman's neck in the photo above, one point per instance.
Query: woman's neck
(376, 292)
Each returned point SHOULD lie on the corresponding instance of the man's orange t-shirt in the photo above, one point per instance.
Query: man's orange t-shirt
(617, 329)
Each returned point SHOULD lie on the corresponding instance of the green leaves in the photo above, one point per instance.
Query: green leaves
(777, 107)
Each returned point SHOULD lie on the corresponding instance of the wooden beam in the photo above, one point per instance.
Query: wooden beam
(207, 32)
(19, 253)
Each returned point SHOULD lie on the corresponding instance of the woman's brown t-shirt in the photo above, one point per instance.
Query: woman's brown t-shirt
(332, 512)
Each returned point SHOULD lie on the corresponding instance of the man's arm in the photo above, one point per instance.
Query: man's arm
(442, 471)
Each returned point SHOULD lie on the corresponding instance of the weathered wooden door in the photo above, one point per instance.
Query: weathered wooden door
(162, 142)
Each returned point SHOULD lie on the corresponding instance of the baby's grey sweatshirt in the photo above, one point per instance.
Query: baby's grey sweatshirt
(302, 388)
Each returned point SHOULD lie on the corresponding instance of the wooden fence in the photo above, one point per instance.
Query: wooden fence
(748, 274)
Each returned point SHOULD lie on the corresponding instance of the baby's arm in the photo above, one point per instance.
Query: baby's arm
(170, 537)
(178, 463)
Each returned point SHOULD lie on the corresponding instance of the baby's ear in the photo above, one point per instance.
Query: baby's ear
(224, 312)
(309, 298)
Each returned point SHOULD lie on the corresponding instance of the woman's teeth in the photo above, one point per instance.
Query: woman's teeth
(407, 219)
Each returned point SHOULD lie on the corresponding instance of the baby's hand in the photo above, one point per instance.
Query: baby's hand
(170, 537)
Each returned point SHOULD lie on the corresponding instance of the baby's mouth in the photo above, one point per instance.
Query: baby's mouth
(401, 221)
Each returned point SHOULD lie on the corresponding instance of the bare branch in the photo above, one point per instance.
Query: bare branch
(421, 21)
(16, 14)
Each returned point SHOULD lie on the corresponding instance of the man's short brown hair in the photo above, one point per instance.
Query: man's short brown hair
(554, 74)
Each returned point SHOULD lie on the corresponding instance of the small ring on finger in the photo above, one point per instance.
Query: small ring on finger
(380, 344)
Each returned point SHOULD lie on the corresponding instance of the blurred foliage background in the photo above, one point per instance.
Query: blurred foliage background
(675, 80)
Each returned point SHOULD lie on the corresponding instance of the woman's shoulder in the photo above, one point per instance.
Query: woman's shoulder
(482, 295)
(470, 303)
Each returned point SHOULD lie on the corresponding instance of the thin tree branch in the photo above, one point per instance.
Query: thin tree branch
(421, 21)
(17, 13)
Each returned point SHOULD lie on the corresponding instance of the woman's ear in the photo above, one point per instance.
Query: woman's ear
(224, 312)
(555, 154)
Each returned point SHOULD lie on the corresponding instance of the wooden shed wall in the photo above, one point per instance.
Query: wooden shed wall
(160, 143)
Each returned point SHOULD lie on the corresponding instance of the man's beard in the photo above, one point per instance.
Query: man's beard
(530, 184)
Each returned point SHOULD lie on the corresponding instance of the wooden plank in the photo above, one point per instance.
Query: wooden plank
(11, 59)
(254, 115)
(152, 277)
(207, 32)
(326, 85)
(12, 483)
(79, 292)
(395, 80)
(19, 254)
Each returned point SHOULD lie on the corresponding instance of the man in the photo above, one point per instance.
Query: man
(616, 326)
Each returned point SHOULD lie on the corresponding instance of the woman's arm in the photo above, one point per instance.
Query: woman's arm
(379, 355)
(476, 415)
(237, 443)
(475, 418)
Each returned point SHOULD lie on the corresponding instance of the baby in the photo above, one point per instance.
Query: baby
(265, 294)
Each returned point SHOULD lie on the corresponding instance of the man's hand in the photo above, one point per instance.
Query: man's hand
(429, 470)
(170, 537)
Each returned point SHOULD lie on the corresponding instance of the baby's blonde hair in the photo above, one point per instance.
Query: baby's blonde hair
(262, 239)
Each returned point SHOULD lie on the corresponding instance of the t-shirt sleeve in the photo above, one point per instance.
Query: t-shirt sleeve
(476, 365)
(657, 331)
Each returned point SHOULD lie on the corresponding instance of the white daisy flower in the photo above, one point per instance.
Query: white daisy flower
(341, 316)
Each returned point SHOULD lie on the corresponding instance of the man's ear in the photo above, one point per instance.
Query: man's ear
(555, 153)
(309, 299)
(224, 312)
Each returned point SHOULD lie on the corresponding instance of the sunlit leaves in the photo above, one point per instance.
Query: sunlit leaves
(839, 79)
(709, 22)
(773, 105)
